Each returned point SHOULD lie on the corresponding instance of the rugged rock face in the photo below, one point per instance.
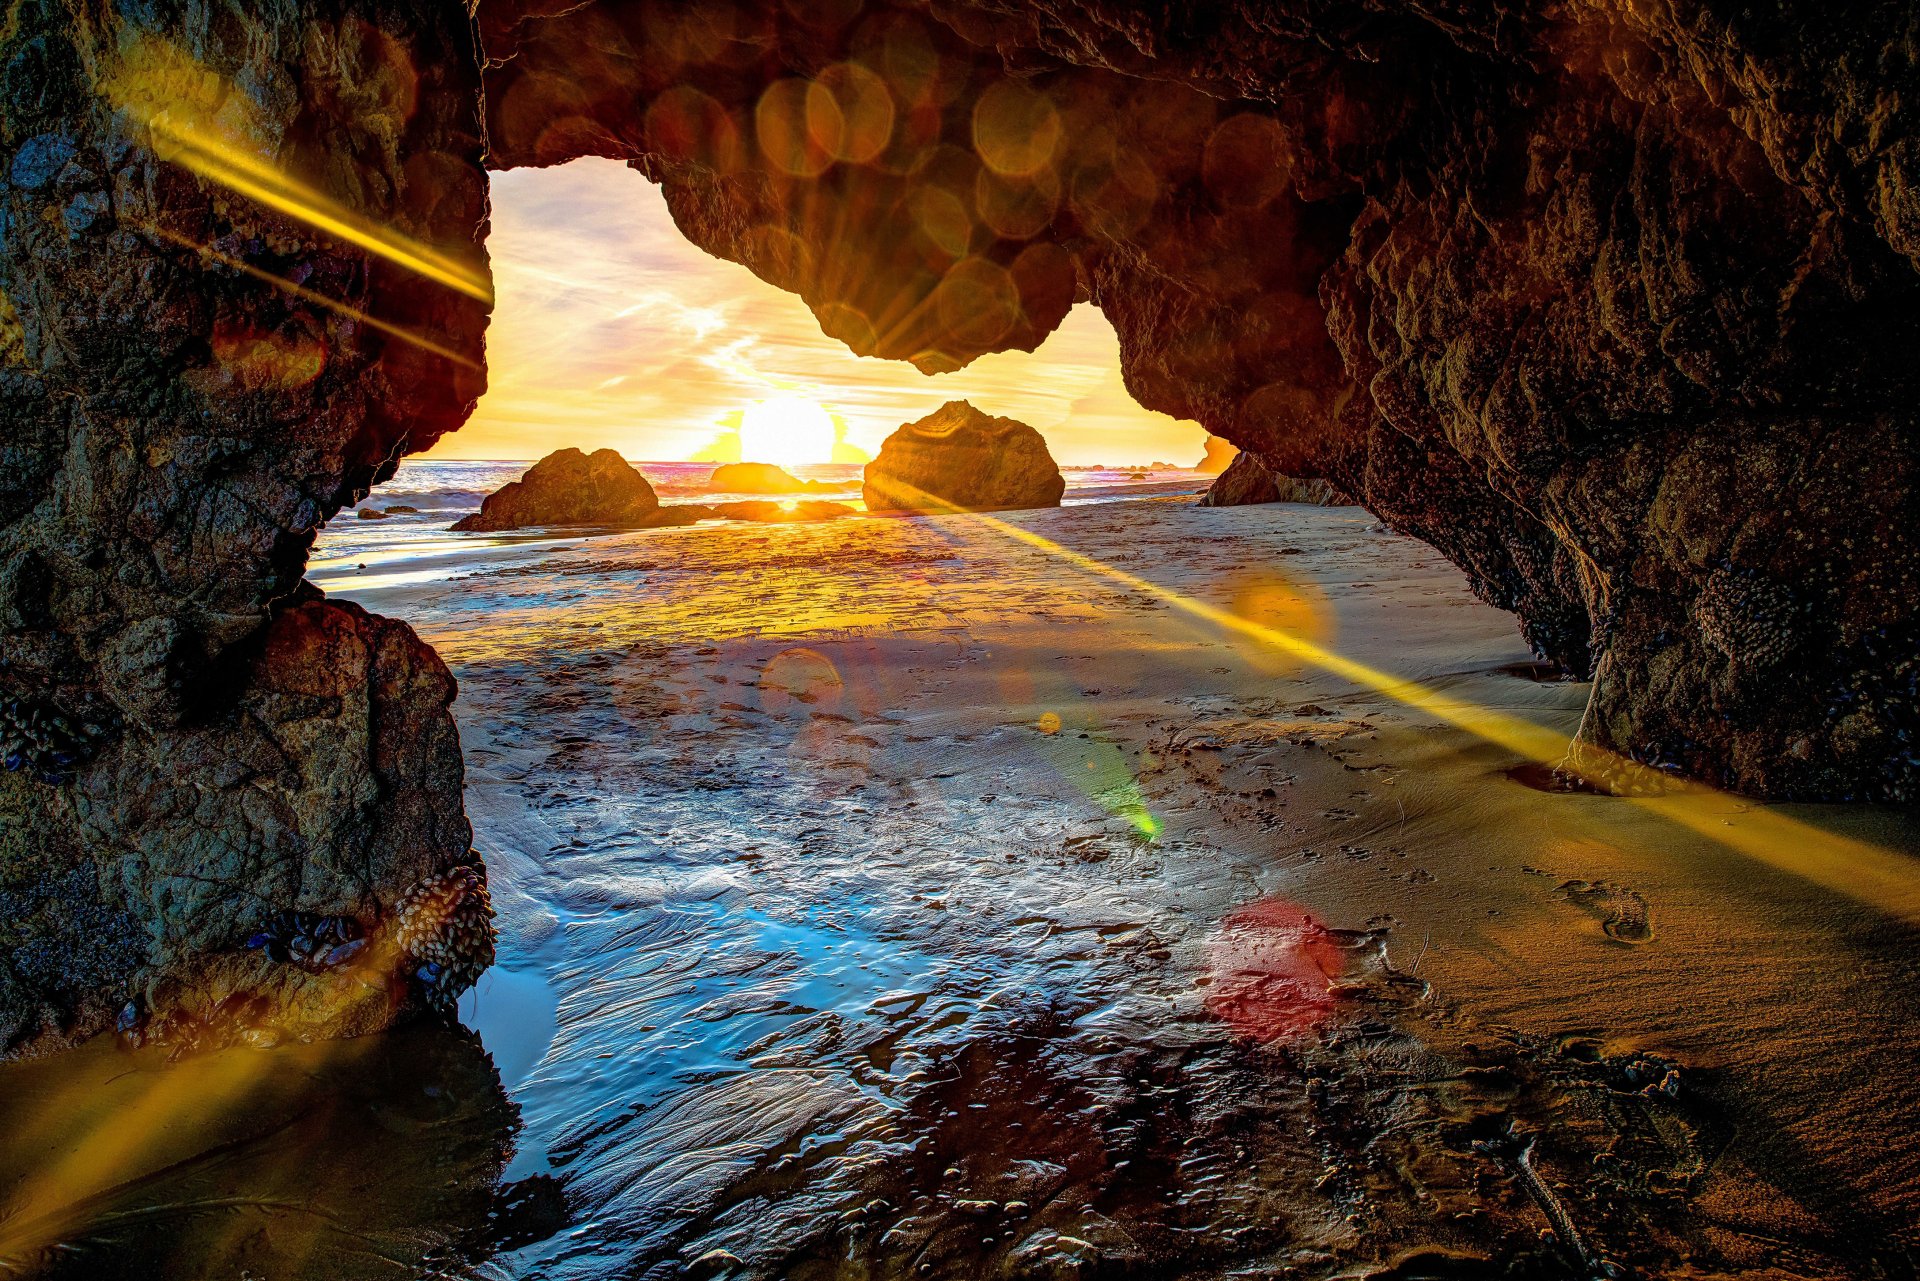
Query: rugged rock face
(761, 478)
(568, 487)
(321, 774)
(1606, 301)
(192, 380)
(1247, 481)
(958, 457)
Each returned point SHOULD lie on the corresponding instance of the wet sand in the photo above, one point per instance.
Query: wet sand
(896, 898)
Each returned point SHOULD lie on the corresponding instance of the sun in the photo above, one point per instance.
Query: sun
(786, 430)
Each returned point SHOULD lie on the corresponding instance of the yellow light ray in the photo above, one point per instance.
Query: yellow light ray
(307, 295)
(59, 1200)
(62, 1197)
(1867, 873)
(217, 160)
(197, 120)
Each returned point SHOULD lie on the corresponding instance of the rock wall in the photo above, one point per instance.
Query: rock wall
(240, 275)
(1609, 302)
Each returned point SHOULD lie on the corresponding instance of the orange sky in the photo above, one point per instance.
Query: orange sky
(612, 331)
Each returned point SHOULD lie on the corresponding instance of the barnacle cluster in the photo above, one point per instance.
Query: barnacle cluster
(1747, 618)
(438, 937)
(36, 736)
(444, 926)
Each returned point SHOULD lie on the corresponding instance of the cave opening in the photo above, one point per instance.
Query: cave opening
(1114, 887)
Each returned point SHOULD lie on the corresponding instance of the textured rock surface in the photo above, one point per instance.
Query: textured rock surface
(191, 382)
(1600, 299)
(1247, 480)
(761, 478)
(568, 487)
(321, 773)
(959, 457)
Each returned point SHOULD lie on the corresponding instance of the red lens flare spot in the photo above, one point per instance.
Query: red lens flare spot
(799, 678)
(1271, 968)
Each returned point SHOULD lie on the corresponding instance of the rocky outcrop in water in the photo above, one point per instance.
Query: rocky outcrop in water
(321, 774)
(568, 487)
(959, 458)
(1247, 481)
(762, 478)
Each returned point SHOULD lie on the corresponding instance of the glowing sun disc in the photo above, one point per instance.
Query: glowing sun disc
(786, 431)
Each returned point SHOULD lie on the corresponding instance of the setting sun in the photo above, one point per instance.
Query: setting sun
(786, 430)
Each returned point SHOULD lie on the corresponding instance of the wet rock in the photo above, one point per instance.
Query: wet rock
(568, 487)
(762, 478)
(958, 457)
(444, 927)
(322, 774)
(1247, 480)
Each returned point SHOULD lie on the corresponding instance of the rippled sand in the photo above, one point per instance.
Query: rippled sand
(900, 898)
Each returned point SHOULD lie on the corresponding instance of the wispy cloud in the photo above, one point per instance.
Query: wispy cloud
(611, 330)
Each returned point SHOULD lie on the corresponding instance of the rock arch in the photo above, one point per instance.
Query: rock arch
(1613, 304)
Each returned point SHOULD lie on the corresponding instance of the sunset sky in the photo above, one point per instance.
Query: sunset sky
(612, 331)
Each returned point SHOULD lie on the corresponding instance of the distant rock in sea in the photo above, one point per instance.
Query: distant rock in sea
(1247, 481)
(1220, 455)
(761, 478)
(372, 513)
(958, 457)
(568, 487)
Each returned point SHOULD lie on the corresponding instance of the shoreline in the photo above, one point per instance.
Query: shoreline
(810, 843)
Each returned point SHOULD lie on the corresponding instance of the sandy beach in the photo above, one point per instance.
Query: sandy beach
(953, 896)
(887, 892)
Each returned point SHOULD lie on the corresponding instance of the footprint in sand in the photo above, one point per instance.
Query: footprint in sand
(1622, 912)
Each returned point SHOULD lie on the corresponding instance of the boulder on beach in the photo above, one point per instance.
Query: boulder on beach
(761, 478)
(1247, 481)
(958, 457)
(568, 487)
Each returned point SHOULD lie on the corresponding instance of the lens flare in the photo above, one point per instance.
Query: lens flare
(1856, 869)
(165, 90)
(307, 295)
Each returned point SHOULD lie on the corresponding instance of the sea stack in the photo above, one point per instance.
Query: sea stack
(959, 458)
(568, 487)
(761, 478)
(1220, 454)
(1247, 481)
